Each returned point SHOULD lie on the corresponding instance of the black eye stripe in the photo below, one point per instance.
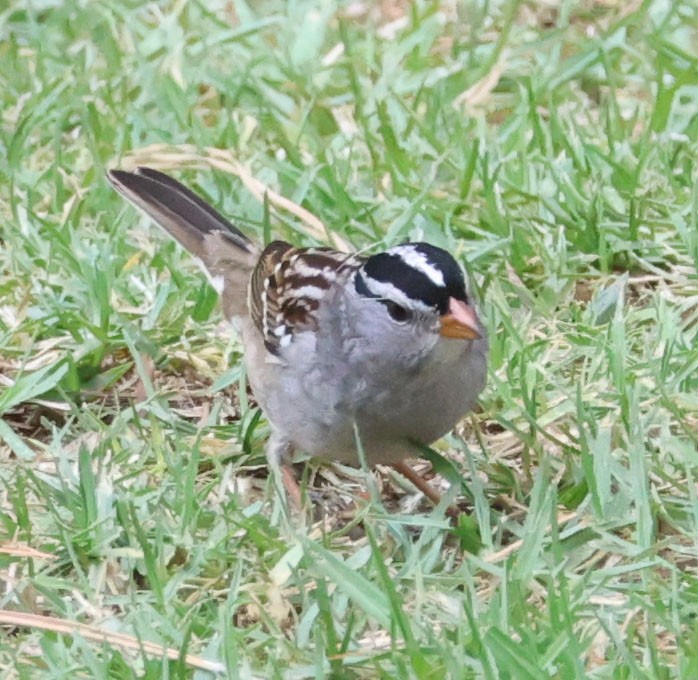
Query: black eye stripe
(416, 285)
(363, 290)
(419, 271)
(361, 287)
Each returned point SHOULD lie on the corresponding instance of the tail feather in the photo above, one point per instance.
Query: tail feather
(226, 254)
(175, 207)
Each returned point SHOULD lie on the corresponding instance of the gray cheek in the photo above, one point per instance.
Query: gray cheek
(362, 323)
(370, 336)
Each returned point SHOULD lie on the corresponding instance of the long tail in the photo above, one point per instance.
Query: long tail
(226, 254)
(175, 208)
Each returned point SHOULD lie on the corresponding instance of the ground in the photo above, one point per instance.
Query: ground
(550, 146)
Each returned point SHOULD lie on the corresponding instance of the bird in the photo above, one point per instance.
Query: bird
(348, 355)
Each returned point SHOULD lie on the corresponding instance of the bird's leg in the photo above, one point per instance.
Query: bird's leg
(406, 471)
(279, 451)
(293, 491)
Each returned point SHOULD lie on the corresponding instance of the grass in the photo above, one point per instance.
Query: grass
(551, 146)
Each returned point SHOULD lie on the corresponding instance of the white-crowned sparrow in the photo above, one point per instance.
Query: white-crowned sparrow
(386, 350)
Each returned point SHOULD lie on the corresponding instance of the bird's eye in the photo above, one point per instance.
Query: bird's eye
(397, 312)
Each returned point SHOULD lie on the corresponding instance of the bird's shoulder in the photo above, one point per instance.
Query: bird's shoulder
(287, 287)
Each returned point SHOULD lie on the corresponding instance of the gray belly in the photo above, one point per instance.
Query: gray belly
(388, 413)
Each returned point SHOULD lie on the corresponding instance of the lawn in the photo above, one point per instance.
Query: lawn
(551, 146)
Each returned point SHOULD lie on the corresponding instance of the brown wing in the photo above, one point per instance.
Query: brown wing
(262, 293)
(288, 285)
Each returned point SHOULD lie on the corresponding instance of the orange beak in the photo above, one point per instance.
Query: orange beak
(460, 322)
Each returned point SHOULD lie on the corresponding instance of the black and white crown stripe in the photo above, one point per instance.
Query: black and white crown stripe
(412, 255)
(418, 276)
(367, 286)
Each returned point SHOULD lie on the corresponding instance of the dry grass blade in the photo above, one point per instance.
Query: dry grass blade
(95, 634)
(479, 93)
(502, 554)
(18, 550)
(165, 157)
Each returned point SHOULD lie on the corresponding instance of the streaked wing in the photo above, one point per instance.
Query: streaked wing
(287, 287)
